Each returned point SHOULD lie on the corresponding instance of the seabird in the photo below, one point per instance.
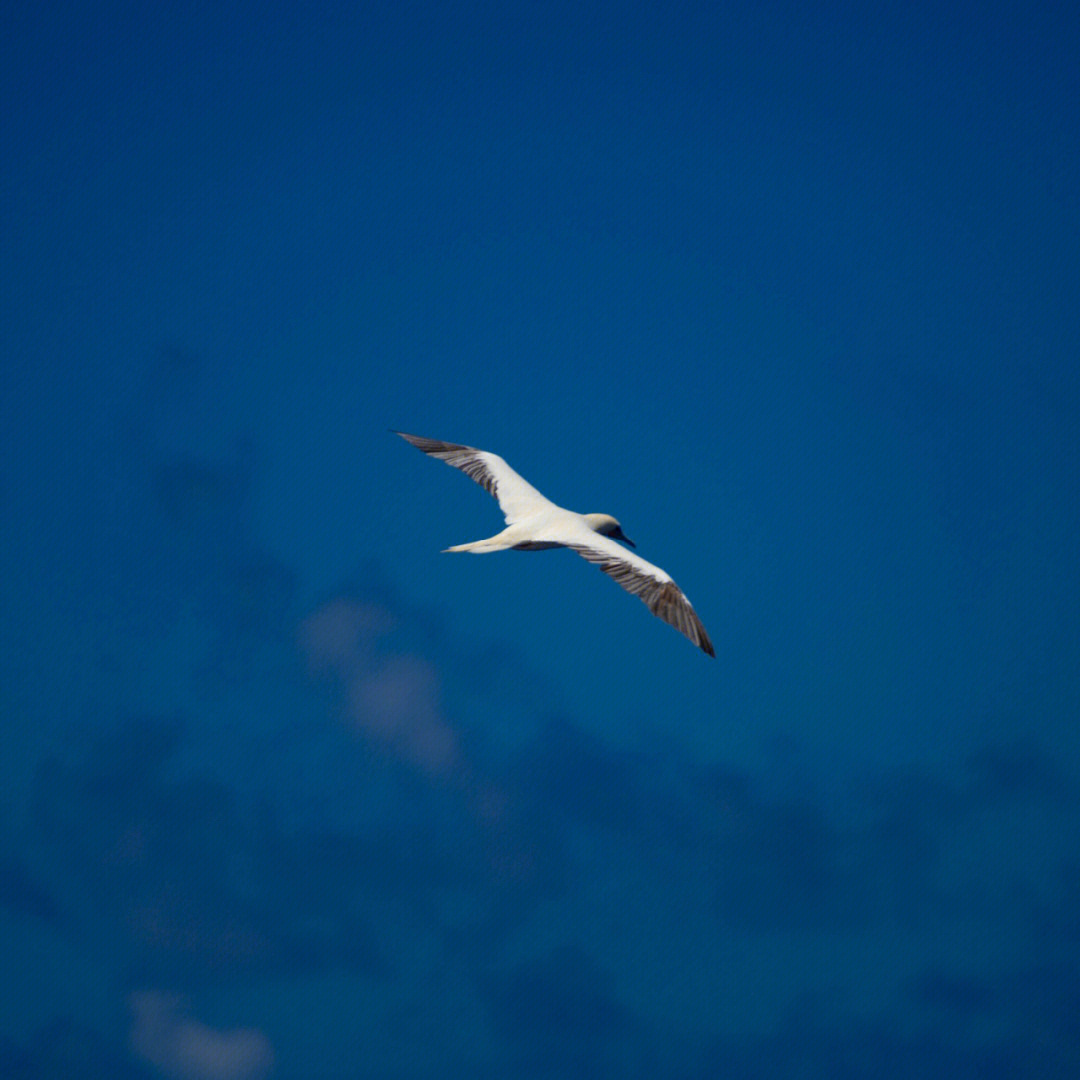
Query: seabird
(534, 522)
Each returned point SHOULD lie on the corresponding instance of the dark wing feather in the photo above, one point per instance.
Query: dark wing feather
(663, 598)
(466, 458)
(517, 498)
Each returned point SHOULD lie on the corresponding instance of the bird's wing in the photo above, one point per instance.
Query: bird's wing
(517, 497)
(649, 583)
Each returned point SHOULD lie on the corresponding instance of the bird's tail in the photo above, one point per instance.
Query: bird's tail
(479, 547)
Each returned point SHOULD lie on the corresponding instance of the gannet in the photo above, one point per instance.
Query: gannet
(534, 522)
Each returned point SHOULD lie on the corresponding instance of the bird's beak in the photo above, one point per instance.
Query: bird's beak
(620, 535)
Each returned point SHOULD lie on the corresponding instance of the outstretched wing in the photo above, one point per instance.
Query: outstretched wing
(647, 582)
(517, 497)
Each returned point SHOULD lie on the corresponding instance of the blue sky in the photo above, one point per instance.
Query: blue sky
(788, 292)
(791, 290)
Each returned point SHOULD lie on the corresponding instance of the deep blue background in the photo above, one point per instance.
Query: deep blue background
(792, 290)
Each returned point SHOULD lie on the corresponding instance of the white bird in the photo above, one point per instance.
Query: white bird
(534, 522)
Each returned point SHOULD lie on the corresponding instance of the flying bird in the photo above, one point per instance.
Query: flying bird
(534, 522)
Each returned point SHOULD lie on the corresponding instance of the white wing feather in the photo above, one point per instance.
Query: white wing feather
(517, 497)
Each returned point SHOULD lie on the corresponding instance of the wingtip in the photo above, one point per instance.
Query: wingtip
(701, 637)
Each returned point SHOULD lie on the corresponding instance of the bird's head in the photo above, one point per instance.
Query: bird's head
(606, 525)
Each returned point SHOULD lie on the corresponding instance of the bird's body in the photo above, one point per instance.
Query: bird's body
(534, 522)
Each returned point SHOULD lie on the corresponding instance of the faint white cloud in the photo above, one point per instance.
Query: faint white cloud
(338, 637)
(183, 1048)
(394, 701)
